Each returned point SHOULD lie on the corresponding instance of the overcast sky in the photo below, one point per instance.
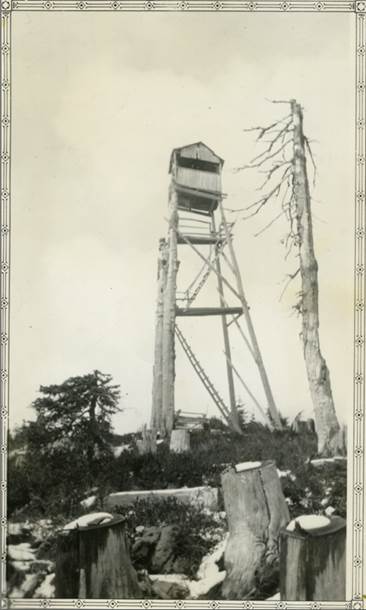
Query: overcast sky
(100, 100)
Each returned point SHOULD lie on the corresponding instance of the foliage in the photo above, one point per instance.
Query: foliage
(311, 489)
(77, 413)
(199, 529)
(211, 452)
(67, 448)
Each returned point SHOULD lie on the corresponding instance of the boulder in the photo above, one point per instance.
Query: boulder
(144, 546)
(165, 551)
(170, 590)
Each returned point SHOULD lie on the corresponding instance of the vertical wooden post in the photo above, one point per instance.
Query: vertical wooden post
(229, 371)
(168, 342)
(157, 389)
(326, 422)
(253, 338)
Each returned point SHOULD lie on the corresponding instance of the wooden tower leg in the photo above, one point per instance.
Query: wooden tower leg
(257, 353)
(157, 389)
(168, 355)
(230, 377)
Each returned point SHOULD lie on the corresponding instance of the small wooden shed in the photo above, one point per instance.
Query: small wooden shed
(196, 173)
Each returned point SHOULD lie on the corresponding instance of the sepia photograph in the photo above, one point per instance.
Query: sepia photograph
(182, 303)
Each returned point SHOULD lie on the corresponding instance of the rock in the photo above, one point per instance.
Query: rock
(47, 588)
(145, 583)
(144, 546)
(170, 590)
(165, 550)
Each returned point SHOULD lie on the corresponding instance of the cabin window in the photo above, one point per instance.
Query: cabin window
(204, 166)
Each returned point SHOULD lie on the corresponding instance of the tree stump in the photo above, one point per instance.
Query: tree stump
(93, 562)
(313, 559)
(256, 511)
(148, 442)
(180, 441)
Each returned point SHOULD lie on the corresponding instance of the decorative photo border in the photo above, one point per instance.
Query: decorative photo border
(356, 500)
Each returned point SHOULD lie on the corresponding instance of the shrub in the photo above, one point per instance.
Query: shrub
(199, 530)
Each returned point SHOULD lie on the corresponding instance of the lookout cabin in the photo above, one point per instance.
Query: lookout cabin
(196, 173)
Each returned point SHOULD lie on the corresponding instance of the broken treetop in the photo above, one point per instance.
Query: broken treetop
(196, 172)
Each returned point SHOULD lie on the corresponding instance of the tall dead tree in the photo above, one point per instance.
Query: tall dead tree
(286, 157)
(157, 390)
(169, 310)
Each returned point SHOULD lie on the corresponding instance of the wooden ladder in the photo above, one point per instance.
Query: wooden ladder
(216, 397)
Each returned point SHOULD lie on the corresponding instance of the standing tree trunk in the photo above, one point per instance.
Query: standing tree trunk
(256, 511)
(157, 390)
(168, 359)
(326, 422)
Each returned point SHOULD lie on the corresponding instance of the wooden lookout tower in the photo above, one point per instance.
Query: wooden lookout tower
(195, 199)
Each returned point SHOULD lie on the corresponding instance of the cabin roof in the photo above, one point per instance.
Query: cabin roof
(217, 158)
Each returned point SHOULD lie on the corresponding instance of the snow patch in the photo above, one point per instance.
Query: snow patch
(46, 588)
(90, 519)
(21, 552)
(247, 466)
(308, 522)
(88, 502)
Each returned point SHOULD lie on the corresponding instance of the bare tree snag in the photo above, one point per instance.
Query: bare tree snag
(256, 511)
(157, 390)
(326, 422)
(313, 559)
(168, 359)
(93, 562)
(180, 440)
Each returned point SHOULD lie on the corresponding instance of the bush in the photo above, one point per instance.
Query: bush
(199, 529)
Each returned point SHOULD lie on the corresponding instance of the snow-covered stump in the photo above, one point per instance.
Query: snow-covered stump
(94, 562)
(180, 441)
(256, 511)
(313, 559)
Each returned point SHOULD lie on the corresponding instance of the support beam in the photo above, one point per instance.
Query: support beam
(227, 351)
(210, 265)
(199, 240)
(208, 311)
(253, 338)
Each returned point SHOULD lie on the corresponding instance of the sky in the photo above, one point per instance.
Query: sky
(99, 102)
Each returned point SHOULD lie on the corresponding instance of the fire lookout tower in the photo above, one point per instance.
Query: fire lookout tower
(195, 194)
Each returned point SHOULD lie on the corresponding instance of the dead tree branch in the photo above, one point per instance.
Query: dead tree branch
(291, 276)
